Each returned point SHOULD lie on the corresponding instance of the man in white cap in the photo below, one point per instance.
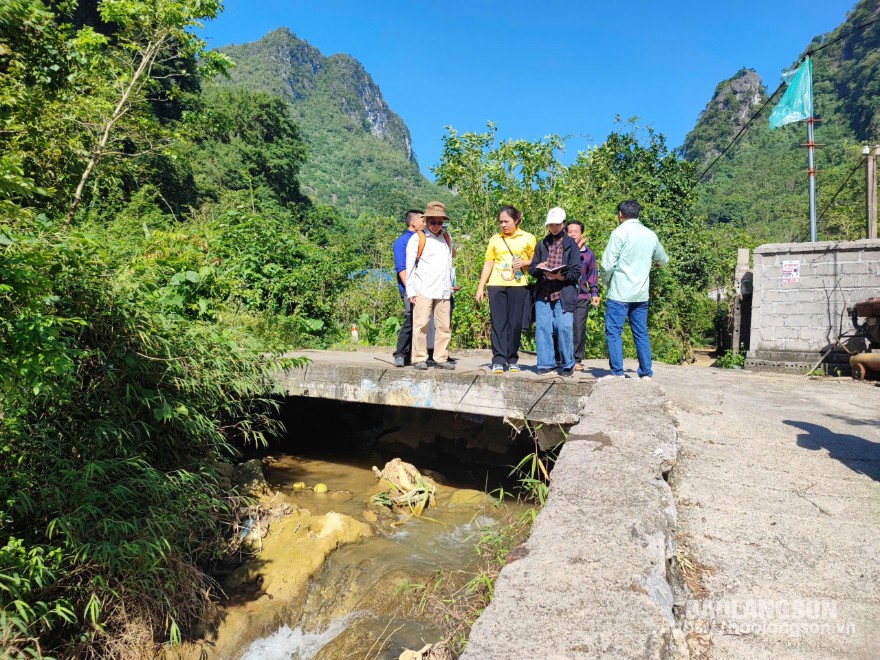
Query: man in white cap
(557, 267)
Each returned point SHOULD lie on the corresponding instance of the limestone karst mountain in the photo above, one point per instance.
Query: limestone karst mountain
(360, 151)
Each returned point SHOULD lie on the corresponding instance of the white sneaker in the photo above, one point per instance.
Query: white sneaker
(610, 377)
(645, 378)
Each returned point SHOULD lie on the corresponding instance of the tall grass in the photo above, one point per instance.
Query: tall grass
(456, 602)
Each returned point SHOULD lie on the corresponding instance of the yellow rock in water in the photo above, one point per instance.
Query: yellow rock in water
(299, 485)
(320, 488)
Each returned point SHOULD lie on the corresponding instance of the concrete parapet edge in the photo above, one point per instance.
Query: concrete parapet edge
(819, 246)
(591, 580)
(469, 390)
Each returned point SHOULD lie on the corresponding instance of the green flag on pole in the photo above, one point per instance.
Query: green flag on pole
(797, 102)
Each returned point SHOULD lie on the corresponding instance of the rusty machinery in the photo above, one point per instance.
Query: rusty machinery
(863, 363)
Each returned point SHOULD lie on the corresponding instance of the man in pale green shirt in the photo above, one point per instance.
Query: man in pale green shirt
(626, 269)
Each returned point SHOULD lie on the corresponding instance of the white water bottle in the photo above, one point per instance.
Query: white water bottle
(354, 333)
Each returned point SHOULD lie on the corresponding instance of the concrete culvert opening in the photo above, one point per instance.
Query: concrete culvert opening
(472, 451)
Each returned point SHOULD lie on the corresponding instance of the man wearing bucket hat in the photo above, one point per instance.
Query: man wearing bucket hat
(429, 287)
(557, 267)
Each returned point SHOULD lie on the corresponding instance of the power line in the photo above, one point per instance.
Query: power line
(737, 136)
(842, 36)
(770, 98)
(845, 181)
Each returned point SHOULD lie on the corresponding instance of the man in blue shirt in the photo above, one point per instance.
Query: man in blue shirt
(626, 267)
(415, 222)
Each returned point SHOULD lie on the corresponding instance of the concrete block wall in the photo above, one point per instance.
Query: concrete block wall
(794, 323)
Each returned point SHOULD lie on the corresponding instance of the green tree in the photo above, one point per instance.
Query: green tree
(487, 174)
(142, 31)
(246, 141)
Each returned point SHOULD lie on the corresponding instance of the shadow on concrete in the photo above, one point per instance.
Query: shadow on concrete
(854, 421)
(597, 372)
(858, 454)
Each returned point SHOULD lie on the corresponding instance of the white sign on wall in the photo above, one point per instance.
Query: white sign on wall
(791, 272)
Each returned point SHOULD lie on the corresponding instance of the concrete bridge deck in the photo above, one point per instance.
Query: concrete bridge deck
(370, 377)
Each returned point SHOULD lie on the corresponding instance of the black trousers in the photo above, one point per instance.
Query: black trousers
(404, 335)
(506, 307)
(581, 312)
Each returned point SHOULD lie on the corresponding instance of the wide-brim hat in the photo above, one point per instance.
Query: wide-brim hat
(436, 210)
(555, 216)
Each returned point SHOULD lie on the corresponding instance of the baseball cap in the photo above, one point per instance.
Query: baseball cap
(555, 216)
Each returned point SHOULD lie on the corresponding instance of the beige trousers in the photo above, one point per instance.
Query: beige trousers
(423, 310)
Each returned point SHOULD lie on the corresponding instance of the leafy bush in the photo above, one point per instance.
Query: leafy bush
(369, 299)
(731, 360)
(117, 399)
(376, 334)
(470, 320)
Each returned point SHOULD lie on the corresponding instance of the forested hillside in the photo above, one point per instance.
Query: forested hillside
(761, 183)
(361, 155)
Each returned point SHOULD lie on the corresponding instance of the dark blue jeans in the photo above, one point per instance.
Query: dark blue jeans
(551, 319)
(616, 314)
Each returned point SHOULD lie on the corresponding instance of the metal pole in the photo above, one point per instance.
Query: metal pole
(871, 189)
(811, 148)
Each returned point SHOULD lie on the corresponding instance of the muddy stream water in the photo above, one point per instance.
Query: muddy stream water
(331, 578)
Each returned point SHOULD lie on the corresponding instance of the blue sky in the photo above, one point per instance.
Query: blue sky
(534, 68)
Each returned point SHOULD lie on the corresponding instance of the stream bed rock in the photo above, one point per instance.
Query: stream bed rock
(267, 588)
(335, 568)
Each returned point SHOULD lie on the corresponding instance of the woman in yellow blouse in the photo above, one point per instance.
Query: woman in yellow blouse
(508, 254)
